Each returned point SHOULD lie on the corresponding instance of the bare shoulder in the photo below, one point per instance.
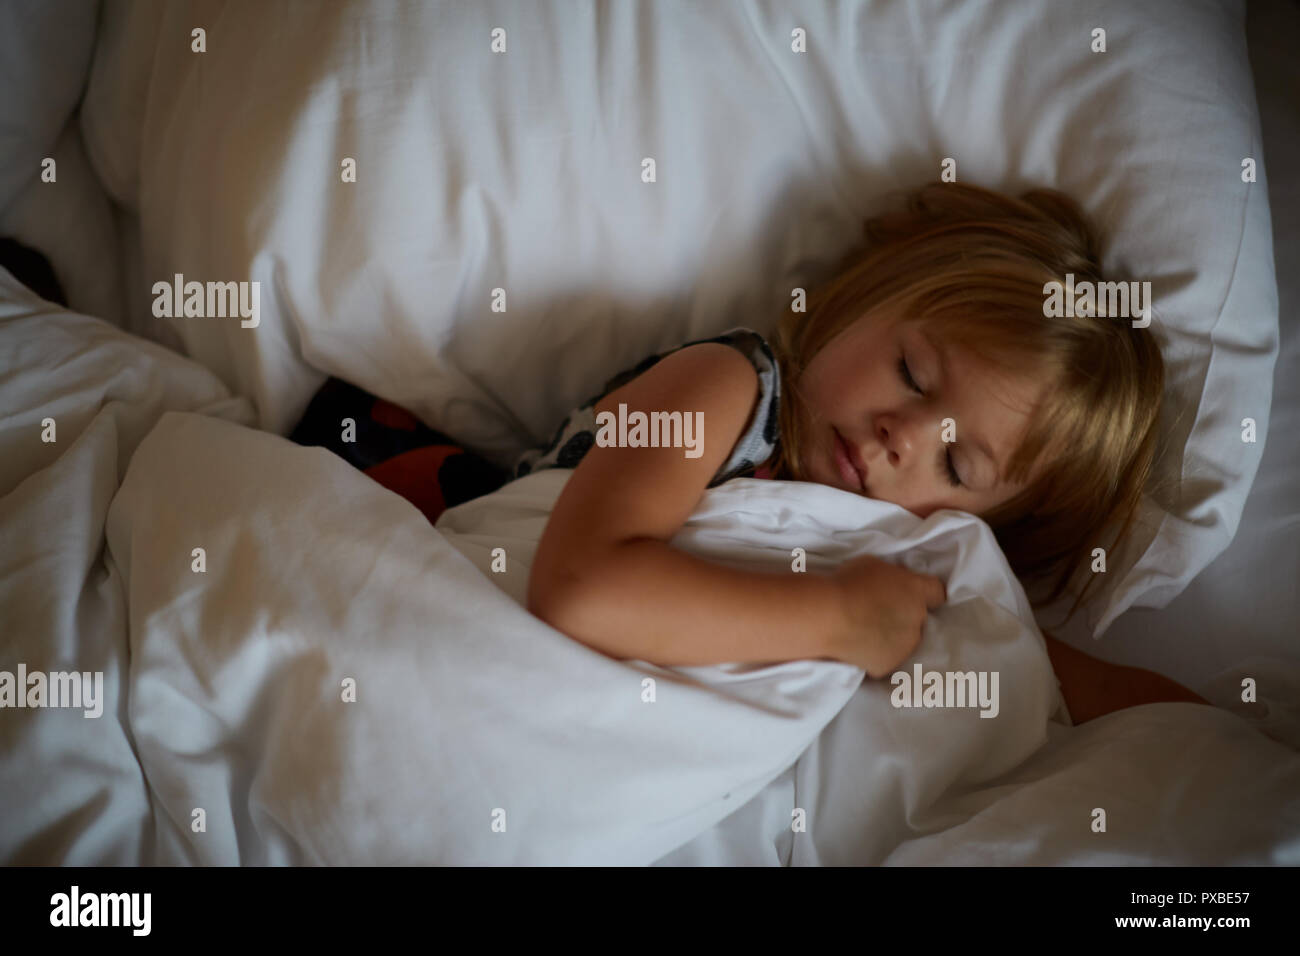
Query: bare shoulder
(624, 491)
(710, 381)
(709, 370)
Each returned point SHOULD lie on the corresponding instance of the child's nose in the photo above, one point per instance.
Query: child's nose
(892, 439)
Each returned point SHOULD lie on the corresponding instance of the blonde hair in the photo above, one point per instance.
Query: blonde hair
(971, 265)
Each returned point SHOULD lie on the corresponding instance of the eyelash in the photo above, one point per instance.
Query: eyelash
(946, 469)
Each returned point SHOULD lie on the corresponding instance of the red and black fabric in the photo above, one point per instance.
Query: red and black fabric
(396, 449)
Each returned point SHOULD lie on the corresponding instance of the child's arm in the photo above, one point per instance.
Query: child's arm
(1093, 688)
(605, 574)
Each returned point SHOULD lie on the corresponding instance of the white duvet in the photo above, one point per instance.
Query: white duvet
(342, 683)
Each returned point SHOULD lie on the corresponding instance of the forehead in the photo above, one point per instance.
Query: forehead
(972, 377)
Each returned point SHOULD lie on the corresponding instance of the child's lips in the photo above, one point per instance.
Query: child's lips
(855, 456)
(846, 460)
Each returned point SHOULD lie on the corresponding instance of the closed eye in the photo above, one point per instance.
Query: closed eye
(906, 374)
(947, 471)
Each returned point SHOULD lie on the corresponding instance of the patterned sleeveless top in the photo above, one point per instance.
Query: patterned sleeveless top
(577, 433)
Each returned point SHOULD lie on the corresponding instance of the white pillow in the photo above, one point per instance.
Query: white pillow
(522, 171)
(71, 223)
(45, 48)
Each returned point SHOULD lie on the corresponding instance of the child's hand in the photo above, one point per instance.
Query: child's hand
(885, 610)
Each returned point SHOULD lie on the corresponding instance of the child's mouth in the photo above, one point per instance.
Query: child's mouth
(844, 461)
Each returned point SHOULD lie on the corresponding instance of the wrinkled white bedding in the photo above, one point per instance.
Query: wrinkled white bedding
(466, 706)
(225, 690)
(1180, 783)
(71, 788)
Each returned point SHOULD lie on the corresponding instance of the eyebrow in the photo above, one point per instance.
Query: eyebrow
(978, 442)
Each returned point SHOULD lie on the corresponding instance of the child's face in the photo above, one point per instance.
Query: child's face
(894, 434)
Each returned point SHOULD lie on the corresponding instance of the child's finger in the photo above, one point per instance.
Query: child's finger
(934, 591)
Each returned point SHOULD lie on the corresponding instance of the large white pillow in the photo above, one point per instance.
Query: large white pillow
(45, 53)
(71, 223)
(45, 49)
(522, 171)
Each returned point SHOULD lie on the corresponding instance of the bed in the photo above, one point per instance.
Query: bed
(296, 666)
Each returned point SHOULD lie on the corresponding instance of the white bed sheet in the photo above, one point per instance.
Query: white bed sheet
(227, 687)
(1180, 783)
(223, 734)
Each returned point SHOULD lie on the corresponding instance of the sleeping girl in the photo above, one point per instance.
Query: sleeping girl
(925, 373)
